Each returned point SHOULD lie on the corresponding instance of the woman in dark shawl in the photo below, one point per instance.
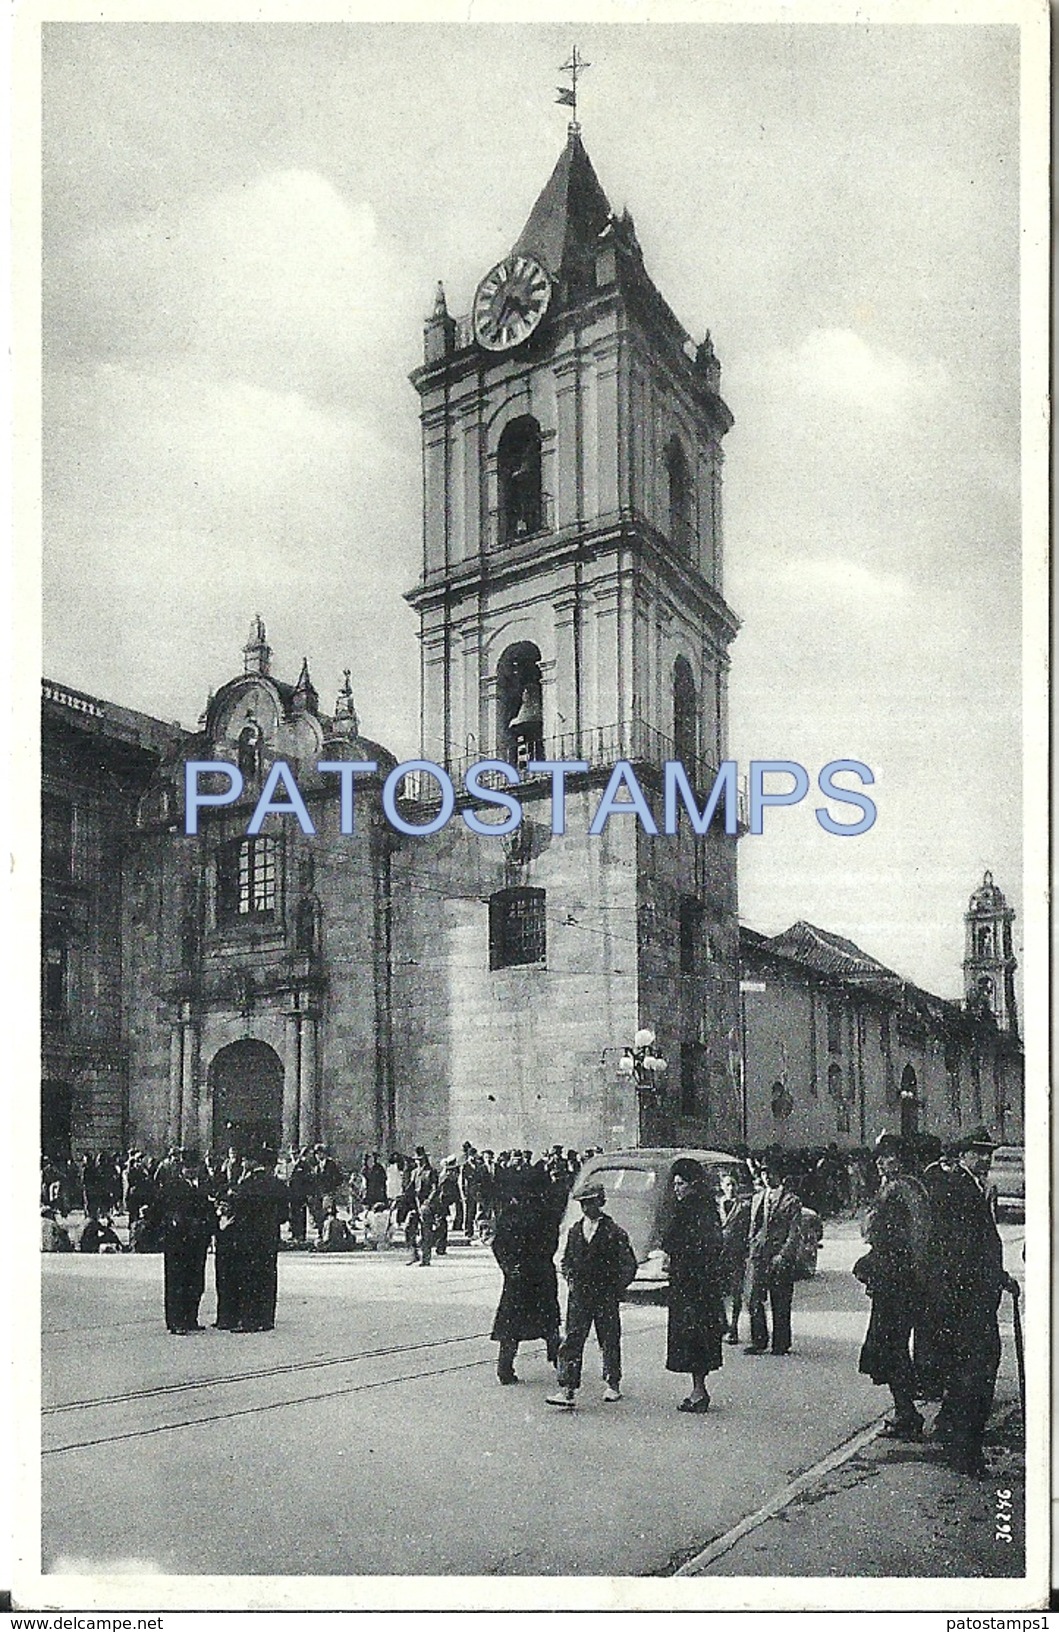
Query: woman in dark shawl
(896, 1228)
(693, 1242)
(527, 1234)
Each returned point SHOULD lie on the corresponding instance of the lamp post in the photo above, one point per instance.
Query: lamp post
(644, 1066)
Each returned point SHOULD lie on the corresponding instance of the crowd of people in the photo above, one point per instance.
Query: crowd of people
(933, 1269)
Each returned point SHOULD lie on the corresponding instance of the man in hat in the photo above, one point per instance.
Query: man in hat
(599, 1263)
(187, 1224)
(423, 1209)
(259, 1203)
(967, 1281)
(897, 1228)
(772, 1257)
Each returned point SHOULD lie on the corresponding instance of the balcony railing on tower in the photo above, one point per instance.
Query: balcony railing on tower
(599, 746)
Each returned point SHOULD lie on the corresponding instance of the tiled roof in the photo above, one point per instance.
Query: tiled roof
(831, 954)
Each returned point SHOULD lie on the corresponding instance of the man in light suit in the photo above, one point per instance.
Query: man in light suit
(772, 1258)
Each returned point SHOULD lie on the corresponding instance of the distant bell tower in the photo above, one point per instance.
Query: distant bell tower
(989, 962)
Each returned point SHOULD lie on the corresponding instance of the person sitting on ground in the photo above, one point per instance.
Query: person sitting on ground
(53, 1236)
(98, 1236)
(334, 1233)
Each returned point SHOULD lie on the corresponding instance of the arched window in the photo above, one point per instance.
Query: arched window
(782, 1103)
(685, 715)
(519, 708)
(519, 476)
(250, 749)
(681, 531)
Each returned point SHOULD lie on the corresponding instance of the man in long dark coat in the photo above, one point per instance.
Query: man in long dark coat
(187, 1223)
(259, 1206)
(693, 1243)
(896, 1228)
(967, 1281)
(527, 1234)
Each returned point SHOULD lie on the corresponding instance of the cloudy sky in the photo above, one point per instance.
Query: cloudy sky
(243, 225)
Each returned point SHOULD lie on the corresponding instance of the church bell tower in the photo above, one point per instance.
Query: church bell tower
(571, 607)
(989, 962)
(572, 543)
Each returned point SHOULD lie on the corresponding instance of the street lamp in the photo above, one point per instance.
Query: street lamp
(644, 1066)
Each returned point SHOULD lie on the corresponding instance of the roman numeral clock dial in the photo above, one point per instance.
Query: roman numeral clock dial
(510, 302)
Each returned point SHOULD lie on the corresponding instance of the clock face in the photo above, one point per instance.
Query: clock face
(510, 302)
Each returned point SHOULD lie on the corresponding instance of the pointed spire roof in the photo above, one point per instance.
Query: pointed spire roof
(565, 223)
(304, 694)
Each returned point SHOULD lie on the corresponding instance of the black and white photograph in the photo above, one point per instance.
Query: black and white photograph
(541, 529)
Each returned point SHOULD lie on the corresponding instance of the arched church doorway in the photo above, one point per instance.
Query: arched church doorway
(246, 1080)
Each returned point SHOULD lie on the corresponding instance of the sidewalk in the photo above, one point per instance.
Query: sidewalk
(891, 1510)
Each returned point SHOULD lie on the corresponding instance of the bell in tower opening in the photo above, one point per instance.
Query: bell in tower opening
(520, 712)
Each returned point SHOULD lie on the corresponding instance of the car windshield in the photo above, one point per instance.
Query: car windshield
(630, 1181)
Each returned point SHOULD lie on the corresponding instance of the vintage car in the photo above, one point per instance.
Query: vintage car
(639, 1189)
(1007, 1180)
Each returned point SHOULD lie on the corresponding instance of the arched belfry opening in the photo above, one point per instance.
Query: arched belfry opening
(519, 705)
(246, 1080)
(519, 479)
(685, 714)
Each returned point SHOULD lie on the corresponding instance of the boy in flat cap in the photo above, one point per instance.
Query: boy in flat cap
(599, 1263)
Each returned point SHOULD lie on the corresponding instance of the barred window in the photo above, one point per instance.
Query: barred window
(516, 928)
(246, 879)
(56, 837)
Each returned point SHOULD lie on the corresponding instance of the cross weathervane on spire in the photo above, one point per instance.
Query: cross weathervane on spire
(567, 96)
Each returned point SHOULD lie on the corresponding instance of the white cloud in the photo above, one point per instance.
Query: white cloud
(847, 581)
(279, 281)
(840, 366)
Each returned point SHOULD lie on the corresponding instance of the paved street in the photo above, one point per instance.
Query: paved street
(368, 1433)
